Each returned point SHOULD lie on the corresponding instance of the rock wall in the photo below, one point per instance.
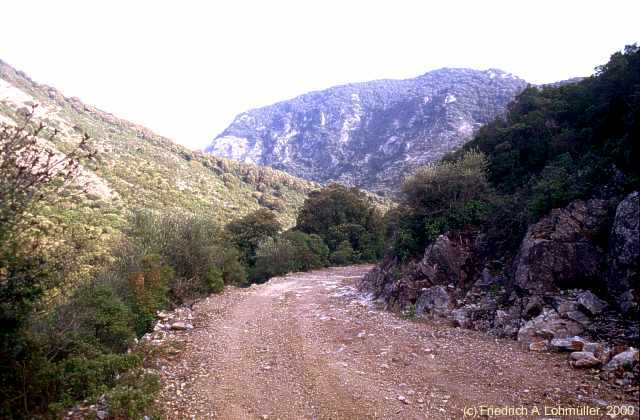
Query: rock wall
(575, 274)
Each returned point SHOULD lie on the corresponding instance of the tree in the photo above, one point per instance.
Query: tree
(249, 231)
(450, 195)
(337, 214)
(31, 174)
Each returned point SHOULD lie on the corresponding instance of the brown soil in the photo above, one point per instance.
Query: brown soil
(309, 346)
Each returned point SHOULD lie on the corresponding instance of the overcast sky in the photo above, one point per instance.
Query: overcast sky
(186, 68)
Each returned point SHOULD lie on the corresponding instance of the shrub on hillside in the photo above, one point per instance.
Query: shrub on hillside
(290, 252)
(338, 214)
(194, 247)
(248, 232)
(343, 254)
(448, 196)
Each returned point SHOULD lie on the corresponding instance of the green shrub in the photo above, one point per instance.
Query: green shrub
(274, 257)
(343, 255)
(338, 214)
(215, 280)
(308, 251)
(233, 271)
(101, 317)
(149, 286)
(248, 232)
(450, 196)
(133, 396)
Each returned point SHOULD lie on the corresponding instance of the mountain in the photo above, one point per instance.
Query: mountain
(136, 168)
(369, 134)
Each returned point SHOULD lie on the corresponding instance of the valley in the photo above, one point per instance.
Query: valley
(437, 247)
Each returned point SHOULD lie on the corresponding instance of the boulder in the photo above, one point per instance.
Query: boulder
(548, 325)
(434, 299)
(181, 326)
(584, 361)
(624, 360)
(596, 348)
(542, 345)
(447, 261)
(460, 317)
(578, 355)
(623, 283)
(590, 303)
(558, 252)
(573, 344)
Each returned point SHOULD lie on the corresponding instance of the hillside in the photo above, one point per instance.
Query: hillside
(371, 134)
(136, 168)
(532, 230)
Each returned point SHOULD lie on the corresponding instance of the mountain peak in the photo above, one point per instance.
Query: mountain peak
(369, 134)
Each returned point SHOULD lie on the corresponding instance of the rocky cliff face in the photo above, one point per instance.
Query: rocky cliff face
(575, 274)
(369, 134)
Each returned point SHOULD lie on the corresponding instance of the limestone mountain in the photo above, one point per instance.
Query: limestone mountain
(369, 134)
(136, 168)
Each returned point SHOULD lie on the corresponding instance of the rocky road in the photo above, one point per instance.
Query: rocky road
(310, 346)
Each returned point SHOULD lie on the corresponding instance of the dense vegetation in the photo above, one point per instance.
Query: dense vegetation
(336, 225)
(554, 145)
(69, 315)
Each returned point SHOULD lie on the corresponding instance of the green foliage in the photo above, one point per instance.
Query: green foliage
(100, 316)
(437, 189)
(556, 185)
(290, 252)
(249, 231)
(555, 145)
(214, 280)
(339, 214)
(274, 257)
(233, 271)
(343, 255)
(450, 196)
(133, 396)
(571, 139)
(149, 287)
(192, 246)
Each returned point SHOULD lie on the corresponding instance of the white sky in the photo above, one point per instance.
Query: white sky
(186, 68)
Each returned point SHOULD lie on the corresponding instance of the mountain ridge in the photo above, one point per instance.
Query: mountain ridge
(369, 134)
(146, 170)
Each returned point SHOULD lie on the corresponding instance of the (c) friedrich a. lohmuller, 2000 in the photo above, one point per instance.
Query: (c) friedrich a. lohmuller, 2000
(546, 410)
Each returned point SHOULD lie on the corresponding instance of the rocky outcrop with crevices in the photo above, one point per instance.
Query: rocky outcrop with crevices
(575, 274)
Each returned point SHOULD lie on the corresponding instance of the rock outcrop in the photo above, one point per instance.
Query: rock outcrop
(624, 253)
(559, 252)
(369, 134)
(557, 287)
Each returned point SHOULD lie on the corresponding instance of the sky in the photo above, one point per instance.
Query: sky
(186, 68)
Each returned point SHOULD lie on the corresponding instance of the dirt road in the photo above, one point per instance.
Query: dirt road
(309, 346)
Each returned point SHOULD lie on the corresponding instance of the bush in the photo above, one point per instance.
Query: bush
(193, 246)
(214, 280)
(290, 252)
(450, 196)
(274, 257)
(149, 286)
(308, 251)
(98, 315)
(338, 214)
(133, 396)
(343, 255)
(248, 232)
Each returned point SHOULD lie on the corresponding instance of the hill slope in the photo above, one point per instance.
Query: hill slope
(137, 168)
(369, 134)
